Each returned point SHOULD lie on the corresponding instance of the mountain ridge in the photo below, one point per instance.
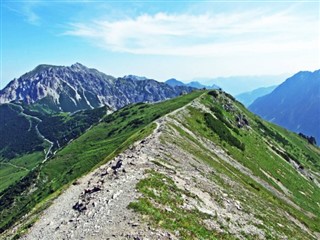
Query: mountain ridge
(243, 83)
(78, 87)
(247, 98)
(195, 84)
(294, 104)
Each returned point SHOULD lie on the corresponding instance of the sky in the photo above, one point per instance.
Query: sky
(162, 39)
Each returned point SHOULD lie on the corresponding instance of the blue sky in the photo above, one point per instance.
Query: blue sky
(161, 39)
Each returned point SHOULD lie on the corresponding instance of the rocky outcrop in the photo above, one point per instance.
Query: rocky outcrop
(242, 121)
(310, 139)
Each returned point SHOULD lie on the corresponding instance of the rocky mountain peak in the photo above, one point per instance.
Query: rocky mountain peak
(78, 66)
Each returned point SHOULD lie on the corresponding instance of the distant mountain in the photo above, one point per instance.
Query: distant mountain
(198, 85)
(247, 98)
(239, 84)
(295, 104)
(77, 87)
(174, 82)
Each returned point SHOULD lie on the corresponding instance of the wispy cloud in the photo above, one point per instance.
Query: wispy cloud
(255, 32)
(27, 9)
(30, 14)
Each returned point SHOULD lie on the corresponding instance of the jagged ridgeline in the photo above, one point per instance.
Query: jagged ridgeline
(77, 87)
(208, 169)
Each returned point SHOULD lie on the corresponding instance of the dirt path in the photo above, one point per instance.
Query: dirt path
(105, 193)
(46, 140)
(15, 166)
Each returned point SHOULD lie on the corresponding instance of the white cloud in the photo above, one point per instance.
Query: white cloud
(251, 32)
(30, 15)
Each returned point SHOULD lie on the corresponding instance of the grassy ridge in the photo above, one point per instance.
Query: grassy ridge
(99, 144)
(107, 138)
(258, 156)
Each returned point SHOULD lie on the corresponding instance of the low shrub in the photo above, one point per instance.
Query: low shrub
(223, 132)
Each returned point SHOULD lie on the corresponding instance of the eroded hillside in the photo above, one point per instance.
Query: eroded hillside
(208, 170)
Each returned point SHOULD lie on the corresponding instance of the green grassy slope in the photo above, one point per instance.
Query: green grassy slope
(270, 149)
(99, 144)
(21, 149)
(15, 169)
(17, 127)
(25, 127)
(282, 191)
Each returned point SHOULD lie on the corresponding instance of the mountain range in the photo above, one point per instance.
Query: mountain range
(77, 87)
(194, 84)
(294, 104)
(248, 98)
(236, 85)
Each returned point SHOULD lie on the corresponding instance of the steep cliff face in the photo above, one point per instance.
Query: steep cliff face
(78, 87)
(209, 169)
